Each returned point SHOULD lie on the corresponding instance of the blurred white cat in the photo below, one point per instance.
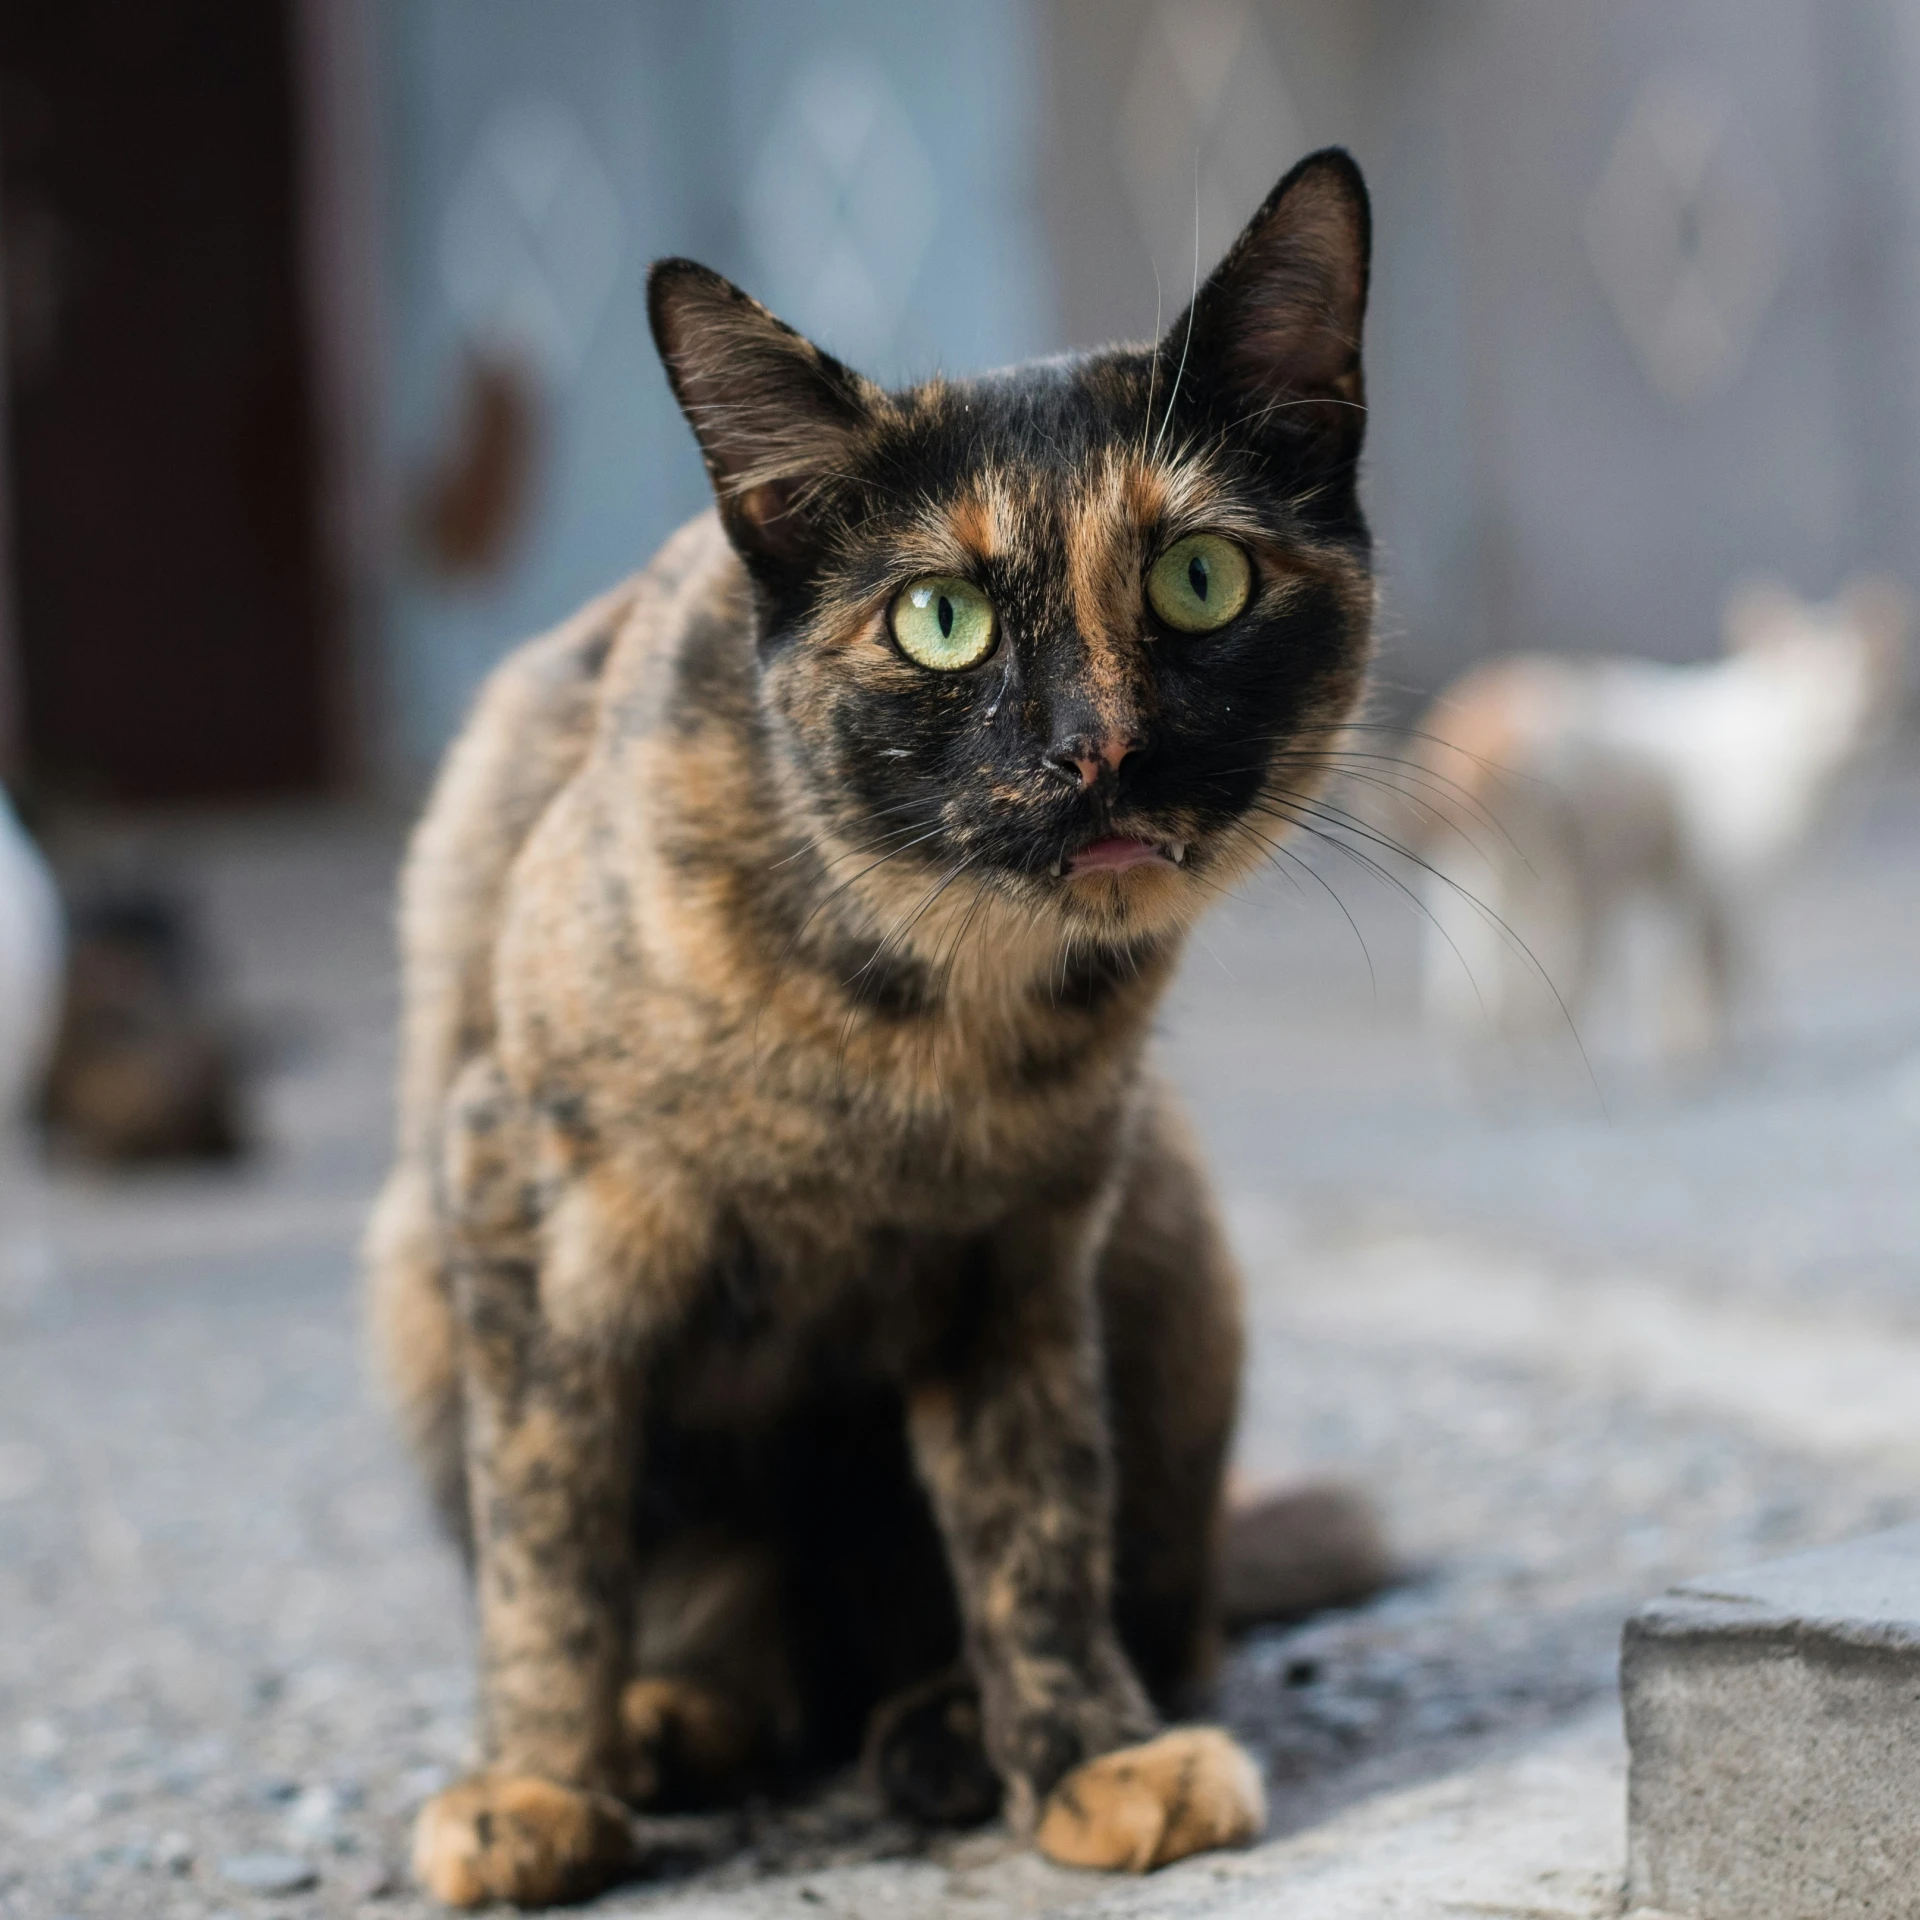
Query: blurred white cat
(1559, 794)
(31, 946)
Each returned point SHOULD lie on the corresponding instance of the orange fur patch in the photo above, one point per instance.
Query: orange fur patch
(679, 1728)
(976, 524)
(1104, 537)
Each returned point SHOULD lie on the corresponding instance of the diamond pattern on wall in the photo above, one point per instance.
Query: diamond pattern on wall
(1206, 128)
(840, 206)
(1686, 231)
(531, 243)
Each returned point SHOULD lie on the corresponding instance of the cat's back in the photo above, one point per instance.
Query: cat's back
(1498, 718)
(527, 737)
(1547, 716)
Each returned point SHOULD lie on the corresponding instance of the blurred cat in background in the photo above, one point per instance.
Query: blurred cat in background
(144, 1067)
(108, 1042)
(1557, 794)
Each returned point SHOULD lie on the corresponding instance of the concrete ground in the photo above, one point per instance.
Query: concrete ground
(1579, 1342)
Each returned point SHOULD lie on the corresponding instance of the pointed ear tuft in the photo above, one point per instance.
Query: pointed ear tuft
(774, 415)
(1276, 328)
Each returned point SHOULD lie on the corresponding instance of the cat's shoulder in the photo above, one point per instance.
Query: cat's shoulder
(684, 651)
(530, 731)
(611, 639)
(534, 721)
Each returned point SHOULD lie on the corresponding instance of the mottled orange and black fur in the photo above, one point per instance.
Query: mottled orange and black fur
(803, 1298)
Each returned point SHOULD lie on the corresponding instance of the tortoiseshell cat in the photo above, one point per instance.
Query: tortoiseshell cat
(804, 1299)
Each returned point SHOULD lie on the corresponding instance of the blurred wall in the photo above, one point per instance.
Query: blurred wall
(1657, 324)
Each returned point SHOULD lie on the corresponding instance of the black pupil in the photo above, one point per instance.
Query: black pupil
(946, 618)
(1197, 576)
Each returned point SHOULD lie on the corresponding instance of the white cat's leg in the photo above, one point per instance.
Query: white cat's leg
(1464, 983)
(1700, 1004)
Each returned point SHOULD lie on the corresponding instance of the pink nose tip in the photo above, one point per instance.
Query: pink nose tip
(1088, 757)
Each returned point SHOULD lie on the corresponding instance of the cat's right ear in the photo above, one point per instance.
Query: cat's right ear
(774, 415)
(1274, 332)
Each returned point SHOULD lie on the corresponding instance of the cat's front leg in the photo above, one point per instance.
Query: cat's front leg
(550, 1394)
(549, 1450)
(1010, 1436)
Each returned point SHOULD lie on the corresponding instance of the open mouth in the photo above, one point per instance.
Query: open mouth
(1121, 853)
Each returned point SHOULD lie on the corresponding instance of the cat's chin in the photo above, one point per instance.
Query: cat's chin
(1125, 893)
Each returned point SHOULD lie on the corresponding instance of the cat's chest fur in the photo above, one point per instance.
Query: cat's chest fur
(828, 1124)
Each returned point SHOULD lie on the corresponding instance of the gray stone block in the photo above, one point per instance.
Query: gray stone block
(1773, 1723)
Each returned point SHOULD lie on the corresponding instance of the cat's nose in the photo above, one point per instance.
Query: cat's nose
(1084, 758)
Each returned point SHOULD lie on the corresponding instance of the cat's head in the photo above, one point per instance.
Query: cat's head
(1076, 635)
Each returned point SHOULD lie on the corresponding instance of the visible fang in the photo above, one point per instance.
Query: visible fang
(1178, 852)
(1059, 866)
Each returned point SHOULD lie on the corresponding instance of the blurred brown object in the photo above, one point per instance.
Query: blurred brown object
(1289, 1551)
(475, 496)
(139, 1071)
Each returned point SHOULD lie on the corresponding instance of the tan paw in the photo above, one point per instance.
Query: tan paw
(1141, 1807)
(508, 1837)
(685, 1742)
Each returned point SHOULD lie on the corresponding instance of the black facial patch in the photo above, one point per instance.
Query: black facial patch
(1052, 489)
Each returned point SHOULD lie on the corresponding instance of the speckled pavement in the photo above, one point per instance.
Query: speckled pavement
(1579, 1343)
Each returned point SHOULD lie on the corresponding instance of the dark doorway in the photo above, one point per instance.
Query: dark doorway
(167, 577)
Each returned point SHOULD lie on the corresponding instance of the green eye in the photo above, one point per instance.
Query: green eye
(944, 623)
(1200, 583)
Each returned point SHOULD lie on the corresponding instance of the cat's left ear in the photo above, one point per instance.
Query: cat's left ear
(1274, 334)
(774, 415)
